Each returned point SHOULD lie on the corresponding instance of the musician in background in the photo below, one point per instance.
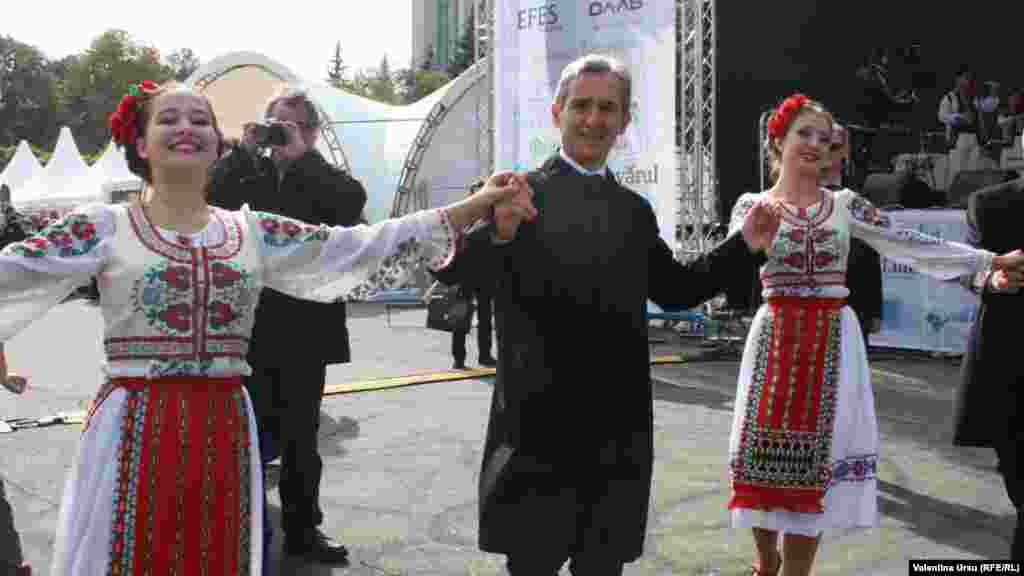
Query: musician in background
(881, 105)
(958, 111)
(1011, 120)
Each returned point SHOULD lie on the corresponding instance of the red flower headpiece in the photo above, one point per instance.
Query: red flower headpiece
(784, 114)
(124, 121)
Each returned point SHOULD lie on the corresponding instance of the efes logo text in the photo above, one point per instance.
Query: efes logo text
(544, 16)
(614, 7)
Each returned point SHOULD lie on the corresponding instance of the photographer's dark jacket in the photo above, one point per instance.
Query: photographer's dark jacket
(316, 192)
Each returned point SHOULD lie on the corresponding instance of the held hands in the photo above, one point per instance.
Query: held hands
(508, 215)
(761, 224)
(509, 196)
(15, 384)
(1008, 271)
(1005, 280)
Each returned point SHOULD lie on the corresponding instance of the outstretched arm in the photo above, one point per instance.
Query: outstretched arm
(675, 286)
(39, 272)
(933, 256)
(13, 383)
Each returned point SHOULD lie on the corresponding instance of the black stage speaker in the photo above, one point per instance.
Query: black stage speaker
(903, 189)
(967, 182)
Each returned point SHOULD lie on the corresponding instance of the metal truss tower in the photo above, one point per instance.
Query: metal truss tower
(695, 112)
(483, 11)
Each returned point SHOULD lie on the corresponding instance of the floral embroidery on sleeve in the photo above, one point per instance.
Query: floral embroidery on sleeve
(280, 232)
(72, 236)
(739, 211)
(396, 271)
(864, 211)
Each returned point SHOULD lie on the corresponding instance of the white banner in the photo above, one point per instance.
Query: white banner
(918, 311)
(535, 40)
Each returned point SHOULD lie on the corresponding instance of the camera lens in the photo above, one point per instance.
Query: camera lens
(276, 135)
(264, 134)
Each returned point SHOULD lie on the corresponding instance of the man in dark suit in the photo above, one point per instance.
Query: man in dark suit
(864, 279)
(293, 340)
(987, 401)
(566, 472)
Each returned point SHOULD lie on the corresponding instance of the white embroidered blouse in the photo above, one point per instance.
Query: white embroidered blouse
(809, 254)
(183, 304)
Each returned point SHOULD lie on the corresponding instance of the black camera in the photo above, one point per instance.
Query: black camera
(268, 134)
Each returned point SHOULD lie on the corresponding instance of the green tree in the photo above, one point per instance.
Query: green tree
(428, 59)
(336, 68)
(415, 84)
(29, 97)
(183, 63)
(382, 84)
(97, 79)
(465, 50)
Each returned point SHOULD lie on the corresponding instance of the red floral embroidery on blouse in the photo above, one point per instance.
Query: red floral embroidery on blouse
(60, 239)
(83, 230)
(270, 225)
(823, 259)
(291, 228)
(221, 314)
(177, 277)
(795, 260)
(178, 317)
(224, 276)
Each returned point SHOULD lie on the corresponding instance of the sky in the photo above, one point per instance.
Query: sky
(300, 35)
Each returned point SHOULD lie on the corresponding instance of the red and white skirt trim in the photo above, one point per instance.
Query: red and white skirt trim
(803, 453)
(167, 480)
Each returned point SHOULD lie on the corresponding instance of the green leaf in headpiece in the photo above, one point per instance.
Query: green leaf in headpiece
(134, 90)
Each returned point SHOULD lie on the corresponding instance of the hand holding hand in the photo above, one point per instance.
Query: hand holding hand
(505, 189)
(1007, 279)
(15, 384)
(509, 214)
(1011, 261)
(761, 224)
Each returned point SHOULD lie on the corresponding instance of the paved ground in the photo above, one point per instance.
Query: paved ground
(401, 465)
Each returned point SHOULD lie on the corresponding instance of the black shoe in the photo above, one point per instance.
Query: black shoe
(459, 365)
(488, 361)
(317, 547)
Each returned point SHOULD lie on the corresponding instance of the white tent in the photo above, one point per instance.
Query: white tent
(66, 181)
(112, 171)
(22, 167)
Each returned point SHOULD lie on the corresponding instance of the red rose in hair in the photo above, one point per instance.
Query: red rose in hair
(780, 119)
(124, 121)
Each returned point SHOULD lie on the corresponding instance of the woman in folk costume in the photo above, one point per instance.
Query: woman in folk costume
(167, 475)
(804, 445)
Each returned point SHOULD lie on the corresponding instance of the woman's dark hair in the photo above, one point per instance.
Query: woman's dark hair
(140, 166)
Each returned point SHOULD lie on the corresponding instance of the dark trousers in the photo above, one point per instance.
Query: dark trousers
(287, 405)
(865, 330)
(484, 313)
(10, 542)
(1008, 453)
(585, 565)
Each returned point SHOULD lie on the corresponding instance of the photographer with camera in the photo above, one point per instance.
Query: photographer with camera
(276, 168)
